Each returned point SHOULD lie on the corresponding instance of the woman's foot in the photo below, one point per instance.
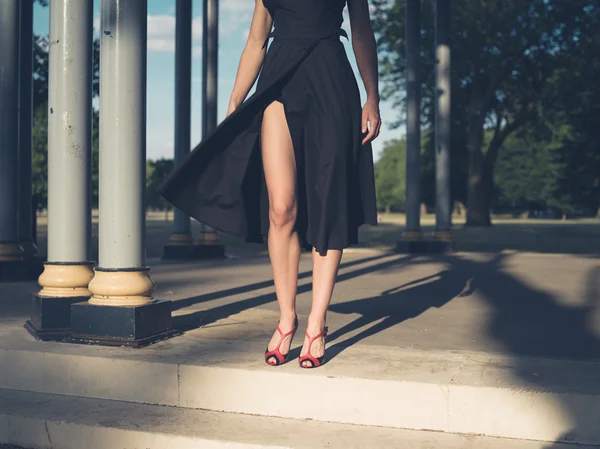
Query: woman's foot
(313, 350)
(278, 348)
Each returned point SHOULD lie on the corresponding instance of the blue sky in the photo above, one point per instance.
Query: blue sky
(235, 17)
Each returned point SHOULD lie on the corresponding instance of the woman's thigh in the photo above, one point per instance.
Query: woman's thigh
(278, 157)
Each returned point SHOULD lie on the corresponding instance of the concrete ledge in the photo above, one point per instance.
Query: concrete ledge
(43, 420)
(450, 392)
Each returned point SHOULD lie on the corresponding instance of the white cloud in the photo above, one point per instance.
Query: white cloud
(232, 24)
(160, 45)
(237, 6)
(161, 34)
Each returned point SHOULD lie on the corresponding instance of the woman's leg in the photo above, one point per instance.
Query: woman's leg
(325, 269)
(284, 246)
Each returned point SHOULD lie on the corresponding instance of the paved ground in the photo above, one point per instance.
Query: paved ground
(515, 305)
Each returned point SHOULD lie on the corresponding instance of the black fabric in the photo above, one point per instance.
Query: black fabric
(306, 68)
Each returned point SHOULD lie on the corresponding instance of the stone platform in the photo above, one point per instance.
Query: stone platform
(498, 345)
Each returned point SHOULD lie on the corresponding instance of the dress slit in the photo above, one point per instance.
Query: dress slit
(295, 127)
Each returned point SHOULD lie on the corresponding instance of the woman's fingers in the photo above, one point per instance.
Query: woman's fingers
(374, 127)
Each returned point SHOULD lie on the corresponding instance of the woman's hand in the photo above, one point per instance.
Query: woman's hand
(371, 121)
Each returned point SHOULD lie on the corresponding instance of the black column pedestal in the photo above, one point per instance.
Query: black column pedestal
(133, 326)
(51, 317)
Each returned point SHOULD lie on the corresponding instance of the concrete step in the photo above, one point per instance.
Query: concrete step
(39, 420)
(467, 393)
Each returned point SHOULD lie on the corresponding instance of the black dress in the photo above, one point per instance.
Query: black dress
(222, 183)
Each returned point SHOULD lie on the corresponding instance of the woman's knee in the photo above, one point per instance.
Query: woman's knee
(282, 214)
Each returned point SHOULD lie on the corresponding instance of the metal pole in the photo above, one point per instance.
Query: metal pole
(70, 131)
(210, 45)
(442, 121)
(25, 124)
(413, 121)
(210, 58)
(10, 249)
(183, 91)
(122, 133)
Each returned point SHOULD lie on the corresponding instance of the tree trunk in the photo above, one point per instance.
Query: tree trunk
(478, 201)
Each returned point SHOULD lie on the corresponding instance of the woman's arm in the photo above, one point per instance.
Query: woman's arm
(252, 56)
(365, 50)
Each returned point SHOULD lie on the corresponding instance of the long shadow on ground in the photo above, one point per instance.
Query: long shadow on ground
(526, 321)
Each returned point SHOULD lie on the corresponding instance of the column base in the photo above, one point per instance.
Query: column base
(51, 317)
(113, 325)
(21, 270)
(412, 235)
(444, 235)
(425, 246)
(194, 252)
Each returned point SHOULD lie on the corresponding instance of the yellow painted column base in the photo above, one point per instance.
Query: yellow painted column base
(121, 288)
(181, 239)
(209, 238)
(444, 235)
(412, 234)
(60, 280)
(11, 252)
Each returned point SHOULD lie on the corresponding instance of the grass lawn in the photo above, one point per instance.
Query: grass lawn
(530, 235)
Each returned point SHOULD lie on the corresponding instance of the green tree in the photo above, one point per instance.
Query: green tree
(390, 176)
(40, 157)
(156, 171)
(529, 170)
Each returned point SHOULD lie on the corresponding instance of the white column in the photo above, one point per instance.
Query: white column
(413, 121)
(69, 131)
(68, 269)
(443, 207)
(121, 278)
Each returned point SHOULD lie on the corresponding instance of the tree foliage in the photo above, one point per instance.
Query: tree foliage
(156, 172)
(390, 175)
(507, 58)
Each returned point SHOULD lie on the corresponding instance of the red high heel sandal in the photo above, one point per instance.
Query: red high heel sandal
(315, 362)
(280, 358)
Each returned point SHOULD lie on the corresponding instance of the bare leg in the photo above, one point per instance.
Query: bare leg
(284, 246)
(325, 269)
